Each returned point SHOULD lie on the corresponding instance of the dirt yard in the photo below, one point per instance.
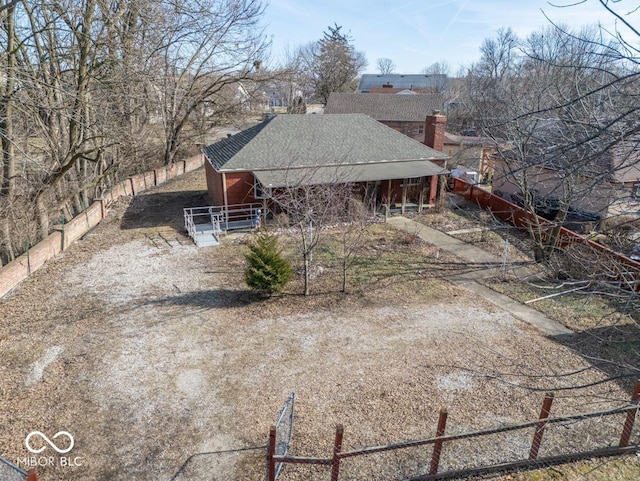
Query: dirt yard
(149, 350)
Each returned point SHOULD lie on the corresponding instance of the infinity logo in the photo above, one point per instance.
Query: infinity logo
(49, 442)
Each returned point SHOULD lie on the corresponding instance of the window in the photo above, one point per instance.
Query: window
(421, 129)
(260, 191)
(635, 192)
(412, 181)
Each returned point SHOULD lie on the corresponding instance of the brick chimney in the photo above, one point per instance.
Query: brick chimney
(434, 130)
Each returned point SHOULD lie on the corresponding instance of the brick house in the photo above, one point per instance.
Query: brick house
(404, 113)
(290, 150)
(471, 152)
(606, 185)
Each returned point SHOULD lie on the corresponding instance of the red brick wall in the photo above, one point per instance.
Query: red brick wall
(239, 188)
(149, 179)
(410, 129)
(18, 270)
(175, 169)
(80, 224)
(395, 193)
(121, 189)
(193, 163)
(214, 185)
(138, 183)
(161, 175)
(434, 131)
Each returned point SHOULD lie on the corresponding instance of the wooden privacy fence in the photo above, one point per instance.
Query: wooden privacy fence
(523, 219)
(63, 236)
(617, 446)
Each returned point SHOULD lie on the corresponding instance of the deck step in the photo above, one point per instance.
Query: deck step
(205, 239)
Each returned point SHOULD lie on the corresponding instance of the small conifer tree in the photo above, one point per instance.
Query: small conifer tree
(267, 271)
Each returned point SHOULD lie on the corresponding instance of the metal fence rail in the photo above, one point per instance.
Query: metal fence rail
(222, 218)
(616, 265)
(280, 437)
(10, 472)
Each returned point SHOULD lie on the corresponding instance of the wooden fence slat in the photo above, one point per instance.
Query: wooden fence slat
(631, 417)
(437, 446)
(544, 414)
(337, 447)
(271, 451)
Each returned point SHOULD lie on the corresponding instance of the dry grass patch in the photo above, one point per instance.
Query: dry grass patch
(149, 350)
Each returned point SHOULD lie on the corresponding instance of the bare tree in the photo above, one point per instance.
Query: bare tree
(356, 219)
(558, 104)
(385, 66)
(441, 67)
(7, 101)
(310, 208)
(86, 84)
(198, 60)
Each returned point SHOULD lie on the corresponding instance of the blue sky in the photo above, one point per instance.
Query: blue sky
(417, 33)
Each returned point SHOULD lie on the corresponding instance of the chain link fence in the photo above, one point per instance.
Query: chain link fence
(284, 431)
(239, 463)
(9, 472)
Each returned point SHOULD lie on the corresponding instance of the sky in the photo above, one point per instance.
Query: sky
(417, 33)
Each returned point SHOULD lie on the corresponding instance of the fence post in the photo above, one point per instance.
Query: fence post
(337, 447)
(544, 414)
(437, 446)
(271, 451)
(32, 475)
(631, 417)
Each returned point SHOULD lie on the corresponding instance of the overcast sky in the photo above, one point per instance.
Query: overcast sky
(417, 33)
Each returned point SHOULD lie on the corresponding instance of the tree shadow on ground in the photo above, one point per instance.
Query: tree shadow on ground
(613, 350)
(162, 209)
(211, 299)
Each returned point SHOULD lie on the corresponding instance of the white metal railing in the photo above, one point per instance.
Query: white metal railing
(222, 218)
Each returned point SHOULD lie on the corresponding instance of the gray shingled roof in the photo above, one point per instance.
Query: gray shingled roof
(415, 81)
(399, 108)
(286, 142)
(348, 173)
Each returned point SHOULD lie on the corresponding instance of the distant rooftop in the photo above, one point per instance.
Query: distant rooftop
(409, 81)
(399, 108)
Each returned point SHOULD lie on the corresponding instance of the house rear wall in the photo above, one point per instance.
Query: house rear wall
(410, 129)
(239, 188)
(214, 184)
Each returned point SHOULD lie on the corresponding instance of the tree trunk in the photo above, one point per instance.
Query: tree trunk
(7, 187)
(344, 274)
(43, 216)
(307, 290)
(6, 247)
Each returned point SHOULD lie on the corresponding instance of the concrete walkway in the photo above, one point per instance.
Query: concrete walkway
(491, 262)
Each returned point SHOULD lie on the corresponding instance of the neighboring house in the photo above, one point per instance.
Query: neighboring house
(292, 150)
(624, 163)
(608, 186)
(396, 83)
(471, 152)
(407, 114)
(404, 113)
